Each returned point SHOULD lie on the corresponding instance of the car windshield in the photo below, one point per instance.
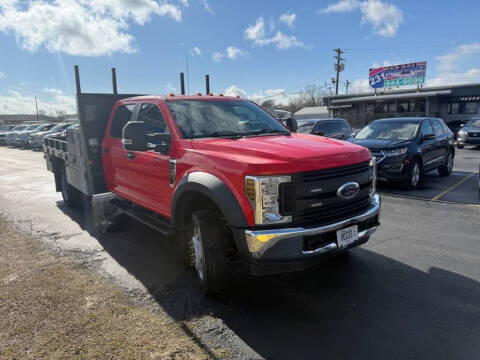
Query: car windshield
(42, 127)
(389, 130)
(20, 127)
(31, 127)
(305, 126)
(474, 122)
(58, 127)
(210, 118)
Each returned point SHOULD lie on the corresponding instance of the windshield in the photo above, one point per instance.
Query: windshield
(20, 127)
(31, 127)
(305, 126)
(474, 122)
(43, 127)
(59, 127)
(201, 119)
(389, 130)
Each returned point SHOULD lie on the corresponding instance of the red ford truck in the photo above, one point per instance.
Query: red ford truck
(238, 188)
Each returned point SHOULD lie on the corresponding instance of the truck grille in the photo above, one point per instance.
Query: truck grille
(311, 197)
(474, 134)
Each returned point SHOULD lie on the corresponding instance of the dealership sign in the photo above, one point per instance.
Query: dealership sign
(398, 75)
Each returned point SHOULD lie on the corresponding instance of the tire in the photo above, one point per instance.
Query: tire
(459, 146)
(72, 197)
(446, 169)
(204, 251)
(414, 175)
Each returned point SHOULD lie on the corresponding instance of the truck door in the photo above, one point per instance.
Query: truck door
(149, 170)
(114, 159)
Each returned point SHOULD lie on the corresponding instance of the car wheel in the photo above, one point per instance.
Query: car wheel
(204, 251)
(459, 146)
(414, 175)
(446, 169)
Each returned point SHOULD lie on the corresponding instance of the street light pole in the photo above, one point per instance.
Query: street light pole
(36, 106)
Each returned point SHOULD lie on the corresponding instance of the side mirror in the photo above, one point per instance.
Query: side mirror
(292, 124)
(133, 136)
(319, 132)
(428, 137)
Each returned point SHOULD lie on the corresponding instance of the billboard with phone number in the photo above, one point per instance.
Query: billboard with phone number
(398, 75)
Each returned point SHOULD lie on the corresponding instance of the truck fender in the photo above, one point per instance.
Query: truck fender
(213, 188)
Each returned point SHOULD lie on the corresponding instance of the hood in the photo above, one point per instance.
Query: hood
(471, 128)
(300, 152)
(381, 143)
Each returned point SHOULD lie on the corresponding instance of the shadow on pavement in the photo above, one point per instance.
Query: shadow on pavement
(363, 305)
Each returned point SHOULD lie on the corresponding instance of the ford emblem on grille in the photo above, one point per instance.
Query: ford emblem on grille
(348, 191)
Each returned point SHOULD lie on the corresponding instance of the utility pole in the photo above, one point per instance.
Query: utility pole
(36, 106)
(347, 84)
(339, 66)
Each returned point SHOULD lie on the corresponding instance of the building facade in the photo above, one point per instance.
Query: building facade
(450, 103)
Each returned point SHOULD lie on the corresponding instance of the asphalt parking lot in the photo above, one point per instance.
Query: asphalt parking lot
(411, 292)
(460, 187)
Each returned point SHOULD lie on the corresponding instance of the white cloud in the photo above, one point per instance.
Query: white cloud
(451, 61)
(196, 51)
(450, 66)
(79, 27)
(217, 56)
(279, 96)
(206, 6)
(288, 19)
(184, 3)
(231, 52)
(170, 88)
(234, 90)
(360, 85)
(385, 18)
(258, 34)
(17, 103)
(341, 6)
(2, 75)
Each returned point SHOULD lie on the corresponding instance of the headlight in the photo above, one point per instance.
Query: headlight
(262, 192)
(395, 152)
(373, 165)
(462, 133)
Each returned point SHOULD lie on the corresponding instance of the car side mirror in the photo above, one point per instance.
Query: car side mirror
(428, 136)
(319, 132)
(133, 136)
(161, 142)
(292, 124)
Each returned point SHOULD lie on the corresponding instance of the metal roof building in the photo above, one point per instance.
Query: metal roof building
(455, 102)
(312, 112)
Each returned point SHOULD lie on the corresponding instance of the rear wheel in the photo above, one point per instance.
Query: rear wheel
(446, 169)
(72, 197)
(204, 251)
(414, 175)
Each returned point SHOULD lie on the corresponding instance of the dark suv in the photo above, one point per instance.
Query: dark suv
(406, 148)
(333, 128)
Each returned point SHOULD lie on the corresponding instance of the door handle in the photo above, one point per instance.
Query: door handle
(130, 155)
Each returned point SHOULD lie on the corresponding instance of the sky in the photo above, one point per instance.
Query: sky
(257, 49)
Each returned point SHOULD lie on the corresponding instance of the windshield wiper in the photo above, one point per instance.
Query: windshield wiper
(267, 132)
(228, 134)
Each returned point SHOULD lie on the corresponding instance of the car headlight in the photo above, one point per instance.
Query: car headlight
(373, 166)
(462, 133)
(395, 152)
(262, 192)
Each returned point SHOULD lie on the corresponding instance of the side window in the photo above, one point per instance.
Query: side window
(333, 127)
(437, 127)
(322, 127)
(426, 128)
(122, 115)
(344, 126)
(155, 124)
(446, 129)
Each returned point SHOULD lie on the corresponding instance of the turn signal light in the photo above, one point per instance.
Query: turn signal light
(171, 94)
(199, 94)
(220, 94)
(250, 189)
(210, 94)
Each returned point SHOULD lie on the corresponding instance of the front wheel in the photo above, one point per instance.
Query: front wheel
(205, 251)
(414, 175)
(446, 169)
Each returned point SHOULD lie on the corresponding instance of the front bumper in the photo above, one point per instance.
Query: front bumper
(283, 250)
(469, 140)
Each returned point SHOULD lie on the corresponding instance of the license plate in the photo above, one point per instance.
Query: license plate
(347, 236)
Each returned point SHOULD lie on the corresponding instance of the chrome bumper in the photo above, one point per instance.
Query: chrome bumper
(287, 243)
